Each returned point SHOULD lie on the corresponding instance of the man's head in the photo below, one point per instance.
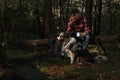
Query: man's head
(75, 13)
(61, 36)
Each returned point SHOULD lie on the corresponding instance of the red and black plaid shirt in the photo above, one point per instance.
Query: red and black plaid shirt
(82, 26)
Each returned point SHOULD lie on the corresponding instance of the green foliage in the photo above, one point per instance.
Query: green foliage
(23, 18)
(19, 22)
(110, 17)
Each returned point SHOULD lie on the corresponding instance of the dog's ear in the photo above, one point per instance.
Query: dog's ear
(58, 38)
(61, 34)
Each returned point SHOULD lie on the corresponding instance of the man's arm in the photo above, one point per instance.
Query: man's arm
(86, 27)
(70, 23)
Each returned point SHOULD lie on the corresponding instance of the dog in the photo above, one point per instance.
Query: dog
(75, 51)
(65, 50)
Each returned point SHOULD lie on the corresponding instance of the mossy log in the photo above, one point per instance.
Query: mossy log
(109, 39)
(35, 42)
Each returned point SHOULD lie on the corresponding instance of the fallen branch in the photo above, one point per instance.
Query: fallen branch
(107, 39)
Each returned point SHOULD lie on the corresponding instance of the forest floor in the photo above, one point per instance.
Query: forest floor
(57, 68)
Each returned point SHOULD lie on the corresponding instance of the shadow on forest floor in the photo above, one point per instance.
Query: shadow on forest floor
(57, 68)
(26, 71)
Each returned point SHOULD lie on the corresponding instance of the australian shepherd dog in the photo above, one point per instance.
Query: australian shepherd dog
(75, 51)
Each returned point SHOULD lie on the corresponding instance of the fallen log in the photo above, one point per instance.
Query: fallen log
(28, 57)
(99, 40)
(26, 43)
(109, 39)
(35, 42)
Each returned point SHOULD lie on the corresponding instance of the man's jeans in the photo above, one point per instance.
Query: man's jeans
(86, 41)
(73, 41)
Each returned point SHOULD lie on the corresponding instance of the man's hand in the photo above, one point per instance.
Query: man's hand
(83, 34)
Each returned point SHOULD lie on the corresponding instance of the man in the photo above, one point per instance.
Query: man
(77, 27)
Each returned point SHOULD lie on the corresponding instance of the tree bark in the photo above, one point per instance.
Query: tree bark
(20, 4)
(95, 18)
(39, 28)
(47, 17)
(99, 17)
(110, 17)
(5, 20)
(88, 11)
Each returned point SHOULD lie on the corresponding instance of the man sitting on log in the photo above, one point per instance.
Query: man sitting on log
(78, 28)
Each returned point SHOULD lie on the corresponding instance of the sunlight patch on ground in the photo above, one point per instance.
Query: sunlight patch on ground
(54, 71)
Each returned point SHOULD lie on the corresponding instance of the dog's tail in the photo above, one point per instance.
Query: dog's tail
(100, 58)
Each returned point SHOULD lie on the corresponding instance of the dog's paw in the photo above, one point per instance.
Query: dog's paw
(72, 61)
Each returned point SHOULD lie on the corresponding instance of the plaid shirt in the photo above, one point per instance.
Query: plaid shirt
(81, 27)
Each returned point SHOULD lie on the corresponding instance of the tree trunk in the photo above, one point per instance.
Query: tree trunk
(39, 28)
(20, 4)
(110, 17)
(99, 17)
(5, 21)
(95, 18)
(88, 11)
(47, 17)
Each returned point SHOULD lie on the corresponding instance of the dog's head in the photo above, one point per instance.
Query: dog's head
(61, 36)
